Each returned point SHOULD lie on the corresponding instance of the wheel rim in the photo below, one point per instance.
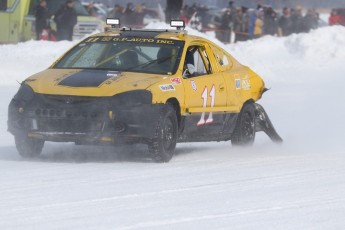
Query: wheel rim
(248, 131)
(168, 134)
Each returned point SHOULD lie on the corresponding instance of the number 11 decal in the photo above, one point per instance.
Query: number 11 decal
(204, 97)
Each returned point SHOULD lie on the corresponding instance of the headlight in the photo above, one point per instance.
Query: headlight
(135, 97)
(25, 93)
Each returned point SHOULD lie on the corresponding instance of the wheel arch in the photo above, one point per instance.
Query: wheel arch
(176, 104)
(251, 100)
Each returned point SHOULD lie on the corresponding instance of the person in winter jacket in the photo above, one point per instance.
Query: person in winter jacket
(285, 23)
(66, 19)
(173, 10)
(298, 21)
(259, 24)
(333, 18)
(129, 15)
(41, 17)
(270, 22)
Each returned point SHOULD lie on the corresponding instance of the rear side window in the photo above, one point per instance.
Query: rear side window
(222, 58)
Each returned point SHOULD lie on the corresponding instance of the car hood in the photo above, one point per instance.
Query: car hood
(99, 83)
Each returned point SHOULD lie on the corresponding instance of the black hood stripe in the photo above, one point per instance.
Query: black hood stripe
(87, 78)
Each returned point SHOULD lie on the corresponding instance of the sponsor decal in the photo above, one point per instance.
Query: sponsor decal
(238, 83)
(246, 83)
(112, 74)
(242, 83)
(130, 39)
(176, 80)
(167, 87)
(194, 87)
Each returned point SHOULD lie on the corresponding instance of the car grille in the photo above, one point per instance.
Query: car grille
(68, 125)
(67, 114)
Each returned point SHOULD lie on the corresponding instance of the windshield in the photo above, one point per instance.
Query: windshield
(158, 56)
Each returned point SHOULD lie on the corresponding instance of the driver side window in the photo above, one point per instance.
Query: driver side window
(199, 64)
(194, 64)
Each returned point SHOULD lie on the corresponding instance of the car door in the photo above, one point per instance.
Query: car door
(205, 95)
(232, 75)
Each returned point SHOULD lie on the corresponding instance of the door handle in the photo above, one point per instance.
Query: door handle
(221, 87)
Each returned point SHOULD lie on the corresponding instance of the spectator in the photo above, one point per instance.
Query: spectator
(225, 27)
(116, 12)
(252, 16)
(285, 23)
(297, 21)
(184, 17)
(192, 10)
(173, 10)
(66, 19)
(270, 22)
(240, 24)
(195, 21)
(310, 21)
(128, 15)
(42, 18)
(259, 24)
(202, 12)
(333, 18)
(140, 11)
(232, 7)
(91, 10)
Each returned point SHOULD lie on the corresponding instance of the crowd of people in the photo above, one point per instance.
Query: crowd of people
(233, 23)
(245, 23)
(130, 15)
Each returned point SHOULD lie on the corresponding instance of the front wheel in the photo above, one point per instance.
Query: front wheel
(244, 133)
(163, 144)
(27, 147)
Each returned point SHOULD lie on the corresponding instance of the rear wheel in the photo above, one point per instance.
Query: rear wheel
(244, 133)
(163, 145)
(27, 147)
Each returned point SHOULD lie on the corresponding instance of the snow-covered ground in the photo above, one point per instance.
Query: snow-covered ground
(297, 185)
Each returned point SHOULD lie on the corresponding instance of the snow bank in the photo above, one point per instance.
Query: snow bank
(319, 49)
(19, 61)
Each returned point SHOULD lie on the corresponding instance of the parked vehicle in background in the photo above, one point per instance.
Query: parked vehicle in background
(17, 20)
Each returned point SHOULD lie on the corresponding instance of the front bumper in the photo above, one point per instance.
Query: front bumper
(84, 120)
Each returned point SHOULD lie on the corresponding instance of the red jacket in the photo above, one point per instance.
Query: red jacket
(334, 20)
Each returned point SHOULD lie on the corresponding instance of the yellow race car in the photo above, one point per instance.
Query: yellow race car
(156, 87)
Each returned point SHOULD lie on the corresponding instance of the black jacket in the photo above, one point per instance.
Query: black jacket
(42, 17)
(66, 18)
